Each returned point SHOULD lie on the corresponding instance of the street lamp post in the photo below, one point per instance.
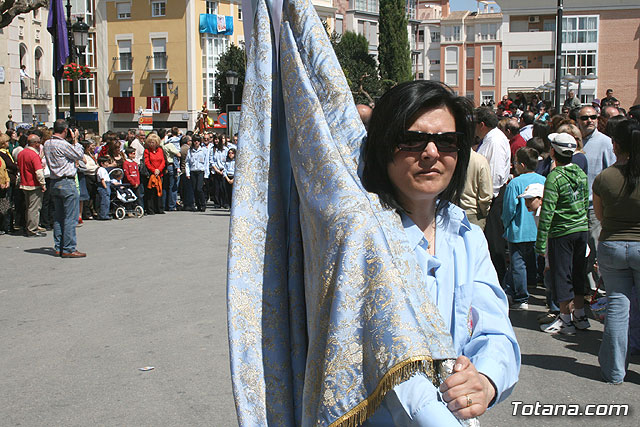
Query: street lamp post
(78, 35)
(232, 81)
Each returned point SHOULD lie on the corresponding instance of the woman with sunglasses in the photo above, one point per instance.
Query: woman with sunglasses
(416, 157)
(389, 288)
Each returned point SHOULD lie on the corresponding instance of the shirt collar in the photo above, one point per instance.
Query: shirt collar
(588, 137)
(451, 219)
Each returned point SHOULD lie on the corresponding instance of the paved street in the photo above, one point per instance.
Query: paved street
(74, 333)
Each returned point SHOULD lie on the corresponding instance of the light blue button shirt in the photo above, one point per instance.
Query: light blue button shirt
(230, 168)
(218, 157)
(197, 160)
(599, 152)
(478, 319)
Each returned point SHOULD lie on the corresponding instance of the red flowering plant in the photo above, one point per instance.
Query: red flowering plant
(73, 71)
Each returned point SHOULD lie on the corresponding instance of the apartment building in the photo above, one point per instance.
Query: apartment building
(361, 17)
(471, 54)
(426, 39)
(599, 47)
(162, 55)
(28, 97)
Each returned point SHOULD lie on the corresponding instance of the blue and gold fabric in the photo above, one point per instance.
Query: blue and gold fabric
(326, 304)
(216, 24)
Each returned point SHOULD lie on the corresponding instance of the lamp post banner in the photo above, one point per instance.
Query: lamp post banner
(57, 27)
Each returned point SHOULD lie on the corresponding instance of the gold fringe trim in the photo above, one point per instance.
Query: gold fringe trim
(396, 375)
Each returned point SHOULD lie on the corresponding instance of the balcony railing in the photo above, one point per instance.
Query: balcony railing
(158, 61)
(125, 62)
(35, 88)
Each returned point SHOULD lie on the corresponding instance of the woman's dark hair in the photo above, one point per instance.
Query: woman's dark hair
(536, 143)
(195, 138)
(528, 157)
(396, 111)
(542, 131)
(627, 136)
(22, 141)
(612, 122)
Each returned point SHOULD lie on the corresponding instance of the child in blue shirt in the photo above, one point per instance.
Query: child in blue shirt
(104, 188)
(520, 229)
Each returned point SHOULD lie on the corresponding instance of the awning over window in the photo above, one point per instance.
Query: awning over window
(216, 24)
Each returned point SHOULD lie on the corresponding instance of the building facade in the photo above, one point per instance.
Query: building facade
(599, 47)
(28, 94)
(163, 55)
(471, 54)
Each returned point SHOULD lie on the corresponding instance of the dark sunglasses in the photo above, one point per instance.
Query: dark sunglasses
(585, 118)
(416, 141)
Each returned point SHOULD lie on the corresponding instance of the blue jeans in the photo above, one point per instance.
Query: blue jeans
(619, 264)
(170, 188)
(66, 209)
(105, 200)
(522, 270)
(550, 293)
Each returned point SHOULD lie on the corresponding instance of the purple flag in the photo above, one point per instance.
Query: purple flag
(57, 26)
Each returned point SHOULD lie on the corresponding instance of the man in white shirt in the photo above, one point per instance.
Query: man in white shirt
(494, 147)
(138, 145)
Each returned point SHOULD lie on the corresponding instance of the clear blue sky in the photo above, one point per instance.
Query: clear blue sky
(465, 5)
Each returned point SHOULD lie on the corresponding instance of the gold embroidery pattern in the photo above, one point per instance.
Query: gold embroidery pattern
(327, 310)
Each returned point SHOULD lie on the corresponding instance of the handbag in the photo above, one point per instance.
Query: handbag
(143, 169)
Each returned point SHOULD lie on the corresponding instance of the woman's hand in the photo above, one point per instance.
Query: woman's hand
(156, 172)
(467, 392)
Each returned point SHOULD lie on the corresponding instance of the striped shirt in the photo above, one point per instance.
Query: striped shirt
(564, 205)
(61, 157)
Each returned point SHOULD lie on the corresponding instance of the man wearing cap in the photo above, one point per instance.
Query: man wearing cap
(598, 149)
(563, 221)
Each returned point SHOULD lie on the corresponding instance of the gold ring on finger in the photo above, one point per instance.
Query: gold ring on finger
(469, 401)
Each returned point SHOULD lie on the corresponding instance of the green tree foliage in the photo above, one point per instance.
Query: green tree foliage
(393, 49)
(233, 59)
(358, 66)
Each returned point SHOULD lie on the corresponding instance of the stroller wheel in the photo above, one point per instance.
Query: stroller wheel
(138, 211)
(120, 213)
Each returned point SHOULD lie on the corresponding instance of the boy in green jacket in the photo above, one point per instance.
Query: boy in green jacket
(563, 221)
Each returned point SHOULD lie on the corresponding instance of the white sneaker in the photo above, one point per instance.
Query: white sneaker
(559, 326)
(519, 306)
(581, 322)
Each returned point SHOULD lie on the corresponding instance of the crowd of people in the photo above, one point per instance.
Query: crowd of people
(162, 171)
(558, 196)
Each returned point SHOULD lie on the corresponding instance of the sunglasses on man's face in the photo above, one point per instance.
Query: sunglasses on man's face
(585, 118)
(415, 141)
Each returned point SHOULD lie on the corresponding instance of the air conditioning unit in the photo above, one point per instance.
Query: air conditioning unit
(534, 19)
